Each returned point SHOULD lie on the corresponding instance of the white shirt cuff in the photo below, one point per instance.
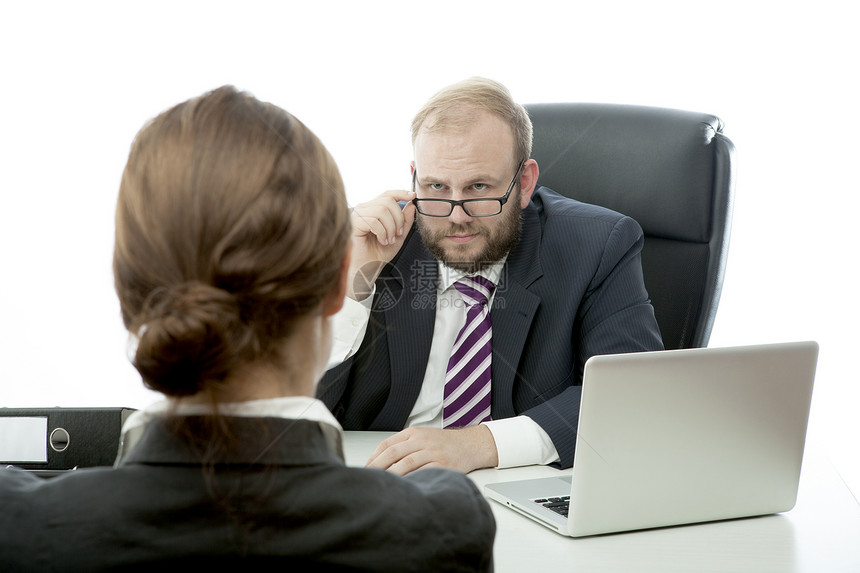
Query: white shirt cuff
(348, 328)
(520, 441)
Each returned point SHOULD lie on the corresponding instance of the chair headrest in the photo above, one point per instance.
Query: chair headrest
(659, 166)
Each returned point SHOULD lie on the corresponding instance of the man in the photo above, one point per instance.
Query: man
(548, 283)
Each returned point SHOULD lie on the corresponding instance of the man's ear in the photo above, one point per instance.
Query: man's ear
(333, 301)
(528, 181)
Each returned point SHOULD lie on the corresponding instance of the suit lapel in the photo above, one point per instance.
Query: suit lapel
(513, 310)
(410, 319)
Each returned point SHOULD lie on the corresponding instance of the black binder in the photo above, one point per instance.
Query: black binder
(74, 437)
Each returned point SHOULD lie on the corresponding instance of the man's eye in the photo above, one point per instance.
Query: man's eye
(437, 186)
(479, 186)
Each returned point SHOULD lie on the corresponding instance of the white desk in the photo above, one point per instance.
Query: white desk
(821, 534)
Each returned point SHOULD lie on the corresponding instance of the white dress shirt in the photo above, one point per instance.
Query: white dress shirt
(520, 440)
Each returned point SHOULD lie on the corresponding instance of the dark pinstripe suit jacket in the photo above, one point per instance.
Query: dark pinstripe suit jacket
(570, 289)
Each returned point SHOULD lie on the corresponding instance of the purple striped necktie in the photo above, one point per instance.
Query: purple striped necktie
(467, 382)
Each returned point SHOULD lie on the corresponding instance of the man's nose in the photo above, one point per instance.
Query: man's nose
(459, 216)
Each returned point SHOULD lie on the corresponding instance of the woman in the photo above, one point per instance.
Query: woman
(231, 254)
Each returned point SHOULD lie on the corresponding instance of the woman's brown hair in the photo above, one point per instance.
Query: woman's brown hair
(231, 224)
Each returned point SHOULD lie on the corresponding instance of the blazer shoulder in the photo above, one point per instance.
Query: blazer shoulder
(569, 218)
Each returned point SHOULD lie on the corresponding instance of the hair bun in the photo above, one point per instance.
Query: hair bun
(188, 338)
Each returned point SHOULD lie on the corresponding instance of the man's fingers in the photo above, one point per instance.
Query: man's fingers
(399, 194)
(383, 456)
(389, 457)
(463, 450)
(411, 450)
(403, 458)
(377, 220)
(408, 217)
(411, 463)
(383, 217)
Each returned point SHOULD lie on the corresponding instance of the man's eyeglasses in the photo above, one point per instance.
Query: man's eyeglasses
(472, 207)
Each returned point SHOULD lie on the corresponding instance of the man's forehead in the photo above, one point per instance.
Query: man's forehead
(481, 146)
(464, 121)
(454, 165)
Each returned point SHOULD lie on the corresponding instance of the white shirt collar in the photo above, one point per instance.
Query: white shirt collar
(290, 407)
(449, 276)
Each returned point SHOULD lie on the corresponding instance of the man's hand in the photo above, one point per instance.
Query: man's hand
(463, 450)
(377, 230)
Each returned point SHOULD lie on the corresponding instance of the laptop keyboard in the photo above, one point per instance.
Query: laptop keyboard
(559, 505)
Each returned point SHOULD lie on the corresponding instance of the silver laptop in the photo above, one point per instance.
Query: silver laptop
(677, 437)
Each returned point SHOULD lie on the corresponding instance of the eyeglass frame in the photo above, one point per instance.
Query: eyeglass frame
(462, 202)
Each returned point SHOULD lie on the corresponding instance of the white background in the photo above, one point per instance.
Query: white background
(80, 78)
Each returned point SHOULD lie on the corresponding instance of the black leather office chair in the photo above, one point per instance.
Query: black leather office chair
(671, 170)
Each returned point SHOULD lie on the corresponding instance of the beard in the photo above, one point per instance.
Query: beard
(499, 239)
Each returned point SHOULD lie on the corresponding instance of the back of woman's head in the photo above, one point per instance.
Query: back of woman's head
(231, 225)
